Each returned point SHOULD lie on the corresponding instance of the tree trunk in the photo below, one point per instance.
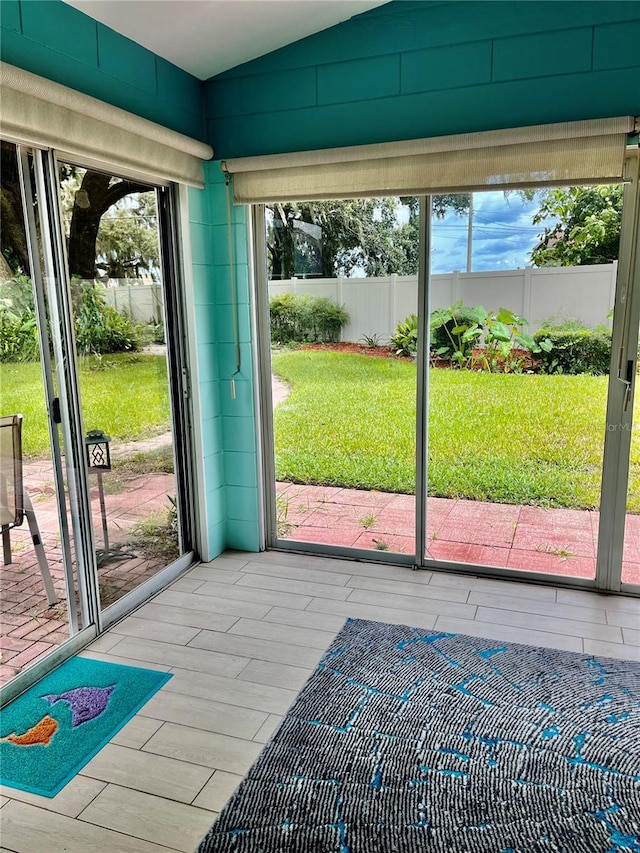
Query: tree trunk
(94, 197)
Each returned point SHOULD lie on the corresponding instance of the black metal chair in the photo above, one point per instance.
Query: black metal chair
(15, 503)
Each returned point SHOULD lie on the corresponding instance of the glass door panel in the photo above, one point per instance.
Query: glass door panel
(516, 426)
(117, 302)
(344, 403)
(631, 550)
(38, 581)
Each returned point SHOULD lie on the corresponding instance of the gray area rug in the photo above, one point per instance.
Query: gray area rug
(411, 740)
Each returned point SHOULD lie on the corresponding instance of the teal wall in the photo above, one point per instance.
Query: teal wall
(417, 69)
(228, 424)
(56, 41)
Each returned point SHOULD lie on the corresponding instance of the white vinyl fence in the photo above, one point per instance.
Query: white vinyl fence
(377, 305)
(136, 298)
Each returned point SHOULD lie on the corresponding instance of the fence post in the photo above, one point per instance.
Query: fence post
(393, 287)
(339, 284)
(527, 294)
(455, 286)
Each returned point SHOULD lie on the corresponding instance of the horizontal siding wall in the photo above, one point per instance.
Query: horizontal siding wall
(418, 69)
(56, 41)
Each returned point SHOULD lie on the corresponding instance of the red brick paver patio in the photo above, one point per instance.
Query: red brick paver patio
(549, 541)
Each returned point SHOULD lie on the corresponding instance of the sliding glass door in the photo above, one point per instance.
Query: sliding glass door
(525, 445)
(39, 590)
(95, 478)
(117, 304)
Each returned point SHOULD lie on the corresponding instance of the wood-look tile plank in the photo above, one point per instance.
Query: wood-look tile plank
(104, 643)
(184, 657)
(275, 674)
(375, 612)
(123, 660)
(304, 619)
(310, 637)
(237, 594)
(427, 590)
(28, 829)
(210, 572)
(519, 589)
(72, 799)
(544, 608)
(248, 647)
(186, 584)
(137, 731)
(299, 574)
(232, 691)
(211, 604)
(164, 632)
(509, 633)
(144, 771)
(267, 728)
(457, 580)
(621, 618)
(611, 603)
(231, 561)
(622, 651)
(160, 821)
(551, 624)
(204, 714)
(220, 752)
(217, 791)
(179, 616)
(412, 603)
(294, 586)
(631, 637)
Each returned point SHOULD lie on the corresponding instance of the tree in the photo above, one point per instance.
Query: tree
(119, 245)
(331, 238)
(586, 226)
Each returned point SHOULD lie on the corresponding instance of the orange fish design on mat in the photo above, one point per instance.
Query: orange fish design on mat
(41, 733)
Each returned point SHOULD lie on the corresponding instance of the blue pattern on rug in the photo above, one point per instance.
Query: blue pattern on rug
(53, 729)
(411, 740)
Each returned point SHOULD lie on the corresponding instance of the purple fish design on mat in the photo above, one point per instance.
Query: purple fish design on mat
(86, 703)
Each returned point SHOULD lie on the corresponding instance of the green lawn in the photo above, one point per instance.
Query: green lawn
(125, 396)
(350, 421)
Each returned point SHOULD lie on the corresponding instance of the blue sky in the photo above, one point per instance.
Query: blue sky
(503, 235)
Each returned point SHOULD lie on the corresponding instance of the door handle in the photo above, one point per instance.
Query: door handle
(55, 410)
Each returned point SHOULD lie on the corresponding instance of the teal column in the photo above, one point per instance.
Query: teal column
(226, 392)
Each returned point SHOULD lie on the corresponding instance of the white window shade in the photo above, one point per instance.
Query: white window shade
(546, 155)
(43, 113)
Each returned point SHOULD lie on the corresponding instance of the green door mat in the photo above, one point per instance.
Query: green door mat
(50, 732)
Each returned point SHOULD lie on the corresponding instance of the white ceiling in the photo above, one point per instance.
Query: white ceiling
(205, 37)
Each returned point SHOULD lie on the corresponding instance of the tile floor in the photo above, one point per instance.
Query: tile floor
(241, 635)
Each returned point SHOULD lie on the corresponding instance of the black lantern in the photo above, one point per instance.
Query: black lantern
(98, 455)
(98, 461)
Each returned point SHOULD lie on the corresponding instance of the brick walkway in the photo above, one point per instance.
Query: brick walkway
(549, 541)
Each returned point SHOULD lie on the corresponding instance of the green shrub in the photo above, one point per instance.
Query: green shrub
(18, 327)
(299, 318)
(575, 351)
(405, 338)
(456, 330)
(100, 328)
(18, 336)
